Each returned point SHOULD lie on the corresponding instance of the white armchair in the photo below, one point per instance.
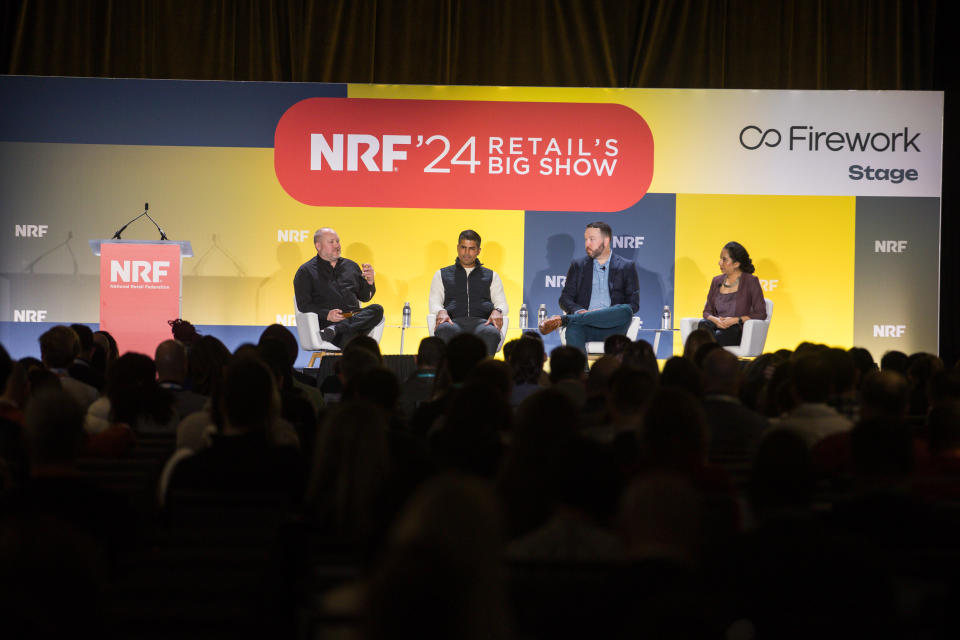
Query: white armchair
(432, 324)
(595, 348)
(754, 333)
(308, 330)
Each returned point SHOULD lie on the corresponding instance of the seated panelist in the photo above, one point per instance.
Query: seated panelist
(601, 293)
(467, 297)
(735, 296)
(333, 287)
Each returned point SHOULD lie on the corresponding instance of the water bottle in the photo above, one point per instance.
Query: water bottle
(665, 322)
(524, 316)
(541, 314)
(406, 315)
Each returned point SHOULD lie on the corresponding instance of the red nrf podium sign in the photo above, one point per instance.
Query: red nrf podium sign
(139, 292)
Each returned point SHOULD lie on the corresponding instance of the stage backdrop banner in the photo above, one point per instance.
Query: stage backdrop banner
(836, 195)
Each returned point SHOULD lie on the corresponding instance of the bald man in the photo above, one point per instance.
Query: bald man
(333, 287)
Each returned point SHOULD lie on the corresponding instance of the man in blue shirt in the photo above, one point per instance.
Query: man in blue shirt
(601, 294)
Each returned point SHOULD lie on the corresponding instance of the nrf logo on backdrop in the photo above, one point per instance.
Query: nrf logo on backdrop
(30, 230)
(889, 246)
(145, 271)
(627, 242)
(889, 330)
(29, 315)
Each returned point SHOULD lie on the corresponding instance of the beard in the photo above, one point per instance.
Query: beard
(597, 252)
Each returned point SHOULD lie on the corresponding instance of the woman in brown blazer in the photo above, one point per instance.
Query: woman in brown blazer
(734, 297)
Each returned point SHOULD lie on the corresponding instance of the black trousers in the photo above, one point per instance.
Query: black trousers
(359, 323)
(729, 337)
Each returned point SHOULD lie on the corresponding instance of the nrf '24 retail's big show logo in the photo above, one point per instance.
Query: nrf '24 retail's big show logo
(547, 156)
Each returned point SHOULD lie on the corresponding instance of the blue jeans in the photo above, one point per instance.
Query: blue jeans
(596, 325)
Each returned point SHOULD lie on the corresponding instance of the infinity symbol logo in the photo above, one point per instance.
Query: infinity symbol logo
(757, 131)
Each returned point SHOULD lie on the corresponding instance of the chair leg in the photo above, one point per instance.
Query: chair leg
(317, 355)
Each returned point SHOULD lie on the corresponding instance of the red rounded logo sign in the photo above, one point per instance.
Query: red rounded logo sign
(546, 156)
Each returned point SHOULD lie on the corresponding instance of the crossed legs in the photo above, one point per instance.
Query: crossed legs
(591, 325)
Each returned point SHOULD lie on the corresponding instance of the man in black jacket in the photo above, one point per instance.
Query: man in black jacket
(333, 287)
(468, 297)
(601, 294)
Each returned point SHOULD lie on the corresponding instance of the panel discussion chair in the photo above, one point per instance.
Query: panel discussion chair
(754, 333)
(308, 329)
(595, 348)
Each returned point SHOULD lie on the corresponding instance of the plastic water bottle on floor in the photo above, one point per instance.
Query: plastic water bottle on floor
(541, 314)
(665, 319)
(524, 317)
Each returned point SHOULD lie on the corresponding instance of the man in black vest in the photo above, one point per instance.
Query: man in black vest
(333, 287)
(468, 297)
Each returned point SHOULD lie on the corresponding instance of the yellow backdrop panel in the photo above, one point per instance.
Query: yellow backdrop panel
(249, 236)
(802, 248)
(407, 246)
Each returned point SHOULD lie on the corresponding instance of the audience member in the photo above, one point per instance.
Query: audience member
(630, 393)
(813, 418)
(781, 479)
(208, 357)
(696, 339)
(615, 344)
(378, 387)
(53, 434)
(884, 394)
(441, 574)
(464, 351)
(13, 455)
(660, 518)
(134, 403)
(172, 367)
(595, 411)
(735, 430)
(939, 470)
(944, 387)
(640, 355)
(526, 359)
(568, 374)
(14, 388)
(546, 421)
(587, 489)
(303, 382)
(702, 351)
(896, 361)
(921, 370)
(295, 409)
(243, 456)
(756, 376)
(495, 374)
(108, 348)
(59, 347)
(660, 593)
(863, 361)
(682, 373)
(351, 464)
(81, 368)
(675, 438)
(468, 438)
(418, 388)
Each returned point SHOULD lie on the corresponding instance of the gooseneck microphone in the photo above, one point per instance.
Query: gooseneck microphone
(146, 208)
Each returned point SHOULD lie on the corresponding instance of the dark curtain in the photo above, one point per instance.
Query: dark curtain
(730, 44)
(787, 44)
